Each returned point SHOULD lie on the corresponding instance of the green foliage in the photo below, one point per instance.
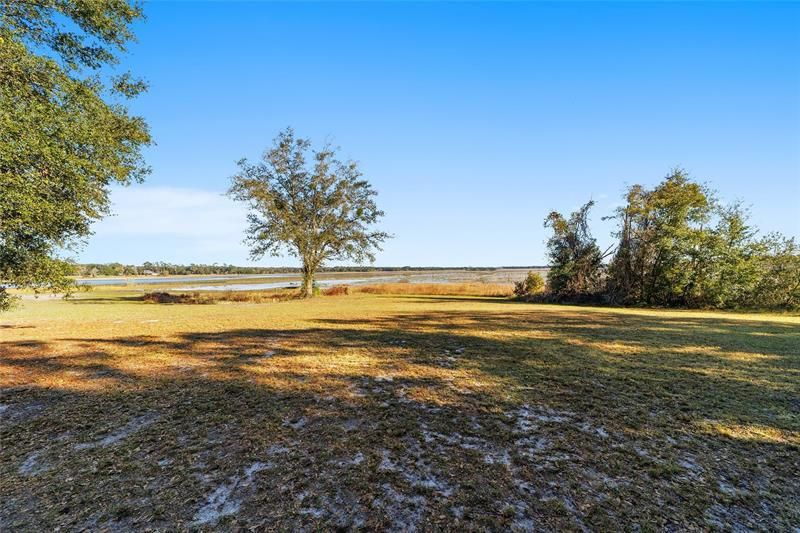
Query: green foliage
(775, 274)
(530, 286)
(576, 263)
(679, 246)
(662, 236)
(65, 134)
(318, 211)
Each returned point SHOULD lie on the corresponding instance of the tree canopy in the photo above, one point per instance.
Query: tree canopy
(661, 239)
(677, 245)
(65, 132)
(309, 203)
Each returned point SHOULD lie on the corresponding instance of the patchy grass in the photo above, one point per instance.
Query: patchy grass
(403, 412)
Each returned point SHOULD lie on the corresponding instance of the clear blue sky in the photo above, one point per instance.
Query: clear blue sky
(472, 120)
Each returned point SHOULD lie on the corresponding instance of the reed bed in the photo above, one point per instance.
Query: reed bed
(440, 289)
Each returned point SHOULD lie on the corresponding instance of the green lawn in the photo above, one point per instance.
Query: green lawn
(396, 412)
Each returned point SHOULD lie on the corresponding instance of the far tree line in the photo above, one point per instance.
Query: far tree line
(678, 245)
(163, 268)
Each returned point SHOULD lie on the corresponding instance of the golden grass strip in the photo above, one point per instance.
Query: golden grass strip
(440, 289)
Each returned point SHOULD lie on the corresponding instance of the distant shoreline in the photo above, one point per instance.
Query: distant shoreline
(296, 270)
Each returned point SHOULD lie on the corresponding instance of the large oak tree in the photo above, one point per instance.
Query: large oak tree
(65, 132)
(309, 203)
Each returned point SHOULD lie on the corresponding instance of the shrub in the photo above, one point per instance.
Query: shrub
(531, 285)
(336, 290)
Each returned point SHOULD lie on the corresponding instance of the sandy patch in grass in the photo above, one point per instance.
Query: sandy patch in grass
(137, 424)
(226, 499)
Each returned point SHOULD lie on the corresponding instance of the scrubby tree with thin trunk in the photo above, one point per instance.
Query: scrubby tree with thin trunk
(308, 203)
(576, 262)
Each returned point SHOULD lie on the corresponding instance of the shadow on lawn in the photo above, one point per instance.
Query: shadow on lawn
(638, 366)
(414, 406)
(722, 368)
(104, 299)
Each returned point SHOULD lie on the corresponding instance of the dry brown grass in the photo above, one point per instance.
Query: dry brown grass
(423, 413)
(336, 290)
(440, 289)
(279, 295)
(497, 290)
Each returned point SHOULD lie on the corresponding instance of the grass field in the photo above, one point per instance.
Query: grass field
(404, 412)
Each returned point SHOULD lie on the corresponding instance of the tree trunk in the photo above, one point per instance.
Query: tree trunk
(307, 287)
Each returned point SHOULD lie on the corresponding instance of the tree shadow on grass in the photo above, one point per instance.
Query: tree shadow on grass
(428, 420)
(105, 299)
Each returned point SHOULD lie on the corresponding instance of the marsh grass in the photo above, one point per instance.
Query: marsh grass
(336, 290)
(427, 412)
(440, 289)
(494, 290)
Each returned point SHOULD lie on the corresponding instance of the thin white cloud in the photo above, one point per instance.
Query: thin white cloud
(181, 212)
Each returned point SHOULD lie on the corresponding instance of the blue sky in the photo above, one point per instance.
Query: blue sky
(472, 120)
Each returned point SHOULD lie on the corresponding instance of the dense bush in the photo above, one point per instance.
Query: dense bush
(680, 246)
(677, 246)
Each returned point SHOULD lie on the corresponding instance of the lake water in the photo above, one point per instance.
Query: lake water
(167, 279)
(286, 284)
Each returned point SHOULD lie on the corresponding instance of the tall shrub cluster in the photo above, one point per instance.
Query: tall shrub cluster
(677, 245)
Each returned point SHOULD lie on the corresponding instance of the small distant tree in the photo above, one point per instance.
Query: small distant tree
(318, 210)
(532, 284)
(576, 262)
